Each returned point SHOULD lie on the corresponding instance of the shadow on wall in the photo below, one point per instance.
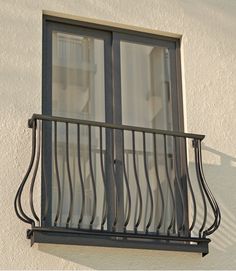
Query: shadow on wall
(220, 177)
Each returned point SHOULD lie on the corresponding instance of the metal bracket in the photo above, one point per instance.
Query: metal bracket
(195, 143)
(31, 123)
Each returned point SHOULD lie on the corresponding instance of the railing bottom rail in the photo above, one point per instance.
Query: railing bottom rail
(116, 239)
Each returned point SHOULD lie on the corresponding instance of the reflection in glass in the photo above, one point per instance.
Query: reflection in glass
(146, 102)
(77, 92)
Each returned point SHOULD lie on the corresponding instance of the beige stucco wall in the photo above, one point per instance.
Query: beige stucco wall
(208, 30)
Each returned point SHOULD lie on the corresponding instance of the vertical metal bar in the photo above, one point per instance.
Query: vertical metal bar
(137, 183)
(46, 169)
(104, 211)
(46, 157)
(181, 215)
(127, 184)
(69, 177)
(176, 88)
(34, 177)
(117, 119)
(63, 198)
(115, 183)
(81, 178)
(148, 182)
(170, 187)
(93, 180)
(197, 167)
(109, 113)
(159, 224)
(110, 188)
(190, 188)
(119, 178)
(58, 209)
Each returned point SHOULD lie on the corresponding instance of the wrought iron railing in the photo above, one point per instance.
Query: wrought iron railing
(104, 184)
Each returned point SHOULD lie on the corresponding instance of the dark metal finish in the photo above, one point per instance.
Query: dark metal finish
(172, 221)
(177, 180)
(69, 176)
(121, 240)
(93, 180)
(34, 177)
(199, 178)
(190, 188)
(170, 231)
(104, 210)
(80, 177)
(148, 182)
(115, 201)
(17, 203)
(70, 22)
(57, 176)
(139, 193)
(159, 224)
(127, 185)
(115, 126)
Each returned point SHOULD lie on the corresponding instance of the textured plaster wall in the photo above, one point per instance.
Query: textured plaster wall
(208, 30)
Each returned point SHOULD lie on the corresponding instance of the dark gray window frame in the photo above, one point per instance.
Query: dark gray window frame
(112, 37)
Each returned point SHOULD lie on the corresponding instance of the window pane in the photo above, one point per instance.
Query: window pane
(78, 77)
(146, 102)
(145, 86)
(77, 92)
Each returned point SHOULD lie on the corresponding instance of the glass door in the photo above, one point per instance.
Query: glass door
(80, 88)
(144, 97)
(113, 77)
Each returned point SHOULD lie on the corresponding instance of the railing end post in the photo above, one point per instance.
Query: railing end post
(29, 233)
(31, 123)
(194, 143)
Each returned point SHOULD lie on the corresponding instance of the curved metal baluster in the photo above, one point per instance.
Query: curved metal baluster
(93, 180)
(211, 199)
(69, 176)
(170, 187)
(138, 186)
(57, 176)
(181, 227)
(34, 177)
(46, 204)
(190, 188)
(159, 224)
(126, 183)
(17, 202)
(197, 167)
(115, 186)
(148, 182)
(104, 209)
(81, 177)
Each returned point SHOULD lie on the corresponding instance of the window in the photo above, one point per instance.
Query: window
(112, 77)
(111, 143)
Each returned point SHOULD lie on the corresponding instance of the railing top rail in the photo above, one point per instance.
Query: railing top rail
(114, 126)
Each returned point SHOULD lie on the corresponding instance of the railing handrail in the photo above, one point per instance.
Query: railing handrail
(114, 126)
